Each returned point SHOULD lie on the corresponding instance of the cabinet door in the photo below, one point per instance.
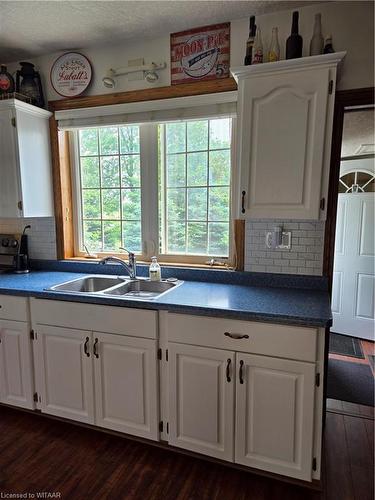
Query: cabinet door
(274, 415)
(201, 400)
(16, 374)
(10, 192)
(126, 384)
(66, 373)
(282, 136)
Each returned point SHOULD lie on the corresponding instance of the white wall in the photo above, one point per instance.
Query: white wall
(41, 235)
(352, 27)
(350, 23)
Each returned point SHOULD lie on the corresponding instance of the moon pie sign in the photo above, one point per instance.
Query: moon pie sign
(71, 74)
(200, 54)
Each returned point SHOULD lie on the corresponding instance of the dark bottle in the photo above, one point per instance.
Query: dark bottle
(328, 47)
(294, 42)
(250, 42)
(6, 81)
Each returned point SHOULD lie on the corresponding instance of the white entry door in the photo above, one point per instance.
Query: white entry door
(353, 273)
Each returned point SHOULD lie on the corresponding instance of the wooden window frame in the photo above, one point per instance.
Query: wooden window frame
(61, 154)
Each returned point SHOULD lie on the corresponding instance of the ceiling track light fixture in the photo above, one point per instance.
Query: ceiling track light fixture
(149, 73)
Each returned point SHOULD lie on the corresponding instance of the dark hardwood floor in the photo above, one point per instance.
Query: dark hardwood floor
(38, 454)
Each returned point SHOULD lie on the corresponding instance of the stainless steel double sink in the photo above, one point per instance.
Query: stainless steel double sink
(117, 286)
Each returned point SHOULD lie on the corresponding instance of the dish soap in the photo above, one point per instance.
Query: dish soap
(154, 271)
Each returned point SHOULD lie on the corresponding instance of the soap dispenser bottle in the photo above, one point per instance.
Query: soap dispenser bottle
(154, 272)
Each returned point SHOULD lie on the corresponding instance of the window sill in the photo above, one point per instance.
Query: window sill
(216, 267)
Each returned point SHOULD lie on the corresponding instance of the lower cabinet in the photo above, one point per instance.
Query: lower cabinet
(66, 373)
(16, 369)
(275, 414)
(126, 384)
(271, 401)
(99, 378)
(201, 400)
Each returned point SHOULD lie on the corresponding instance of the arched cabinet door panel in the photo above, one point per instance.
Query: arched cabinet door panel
(285, 112)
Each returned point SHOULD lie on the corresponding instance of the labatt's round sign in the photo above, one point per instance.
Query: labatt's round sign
(200, 54)
(71, 74)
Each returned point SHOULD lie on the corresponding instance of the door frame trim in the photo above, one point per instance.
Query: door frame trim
(344, 100)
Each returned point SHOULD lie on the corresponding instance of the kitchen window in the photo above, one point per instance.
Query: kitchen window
(161, 189)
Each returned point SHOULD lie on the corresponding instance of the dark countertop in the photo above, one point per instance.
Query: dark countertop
(294, 306)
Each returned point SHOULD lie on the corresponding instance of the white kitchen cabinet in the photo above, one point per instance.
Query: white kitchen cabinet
(201, 400)
(274, 415)
(108, 378)
(16, 371)
(268, 416)
(25, 161)
(126, 385)
(285, 114)
(65, 373)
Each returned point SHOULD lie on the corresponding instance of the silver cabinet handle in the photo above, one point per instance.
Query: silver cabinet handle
(236, 335)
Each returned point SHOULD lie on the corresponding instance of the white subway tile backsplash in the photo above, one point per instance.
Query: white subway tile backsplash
(304, 257)
(41, 235)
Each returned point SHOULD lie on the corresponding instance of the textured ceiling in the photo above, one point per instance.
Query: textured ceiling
(359, 129)
(32, 28)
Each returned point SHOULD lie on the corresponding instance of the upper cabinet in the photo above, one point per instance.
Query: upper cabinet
(285, 114)
(25, 161)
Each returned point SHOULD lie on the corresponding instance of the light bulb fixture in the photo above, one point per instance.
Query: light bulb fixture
(151, 76)
(149, 73)
(109, 82)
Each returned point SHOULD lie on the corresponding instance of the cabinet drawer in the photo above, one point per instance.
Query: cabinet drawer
(282, 341)
(14, 308)
(93, 317)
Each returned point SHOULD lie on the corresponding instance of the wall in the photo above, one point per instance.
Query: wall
(304, 257)
(352, 27)
(350, 23)
(41, 235)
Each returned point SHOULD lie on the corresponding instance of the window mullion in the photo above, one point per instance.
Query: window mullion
(149, 187)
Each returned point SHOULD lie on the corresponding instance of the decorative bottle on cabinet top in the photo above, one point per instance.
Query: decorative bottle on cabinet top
(317, 41)
(328, 47)
(294, 42)
(274, 50)
(250, 42)
(258, 48)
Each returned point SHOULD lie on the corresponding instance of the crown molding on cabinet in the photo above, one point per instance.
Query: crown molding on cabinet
(299, 64)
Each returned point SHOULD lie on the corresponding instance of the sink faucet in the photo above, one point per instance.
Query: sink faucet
(131, 267)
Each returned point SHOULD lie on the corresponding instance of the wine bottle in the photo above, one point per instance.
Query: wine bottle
(258, 48)
(317, 41)
(328, 47)
(274, 50)
(250, 42)
(294, 42)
